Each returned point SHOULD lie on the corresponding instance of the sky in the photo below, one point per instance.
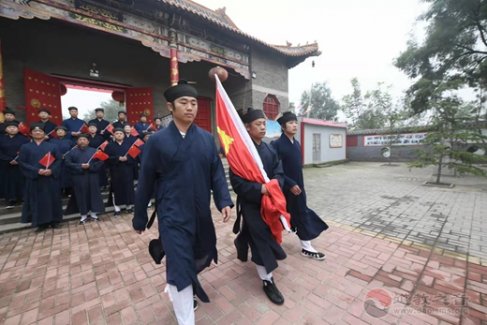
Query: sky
(357, 38)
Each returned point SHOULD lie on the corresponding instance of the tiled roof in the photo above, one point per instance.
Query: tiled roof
(221, 19)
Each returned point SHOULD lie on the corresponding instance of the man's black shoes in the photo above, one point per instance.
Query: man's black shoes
(272, 292)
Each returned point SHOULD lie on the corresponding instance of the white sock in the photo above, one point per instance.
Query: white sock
(93, 215)
(83, 217)
(263, 273)
(306, 244)
(182, 302)
(116, 207)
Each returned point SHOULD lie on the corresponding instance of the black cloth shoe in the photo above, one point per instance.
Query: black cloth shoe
(314, 255)
(272, 292)
(195, 303)
(116, 214)
(242, 250)
(156, 250)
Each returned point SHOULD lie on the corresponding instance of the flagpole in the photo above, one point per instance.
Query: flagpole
(48, 160)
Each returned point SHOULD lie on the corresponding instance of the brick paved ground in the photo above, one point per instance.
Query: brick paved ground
(423, 246)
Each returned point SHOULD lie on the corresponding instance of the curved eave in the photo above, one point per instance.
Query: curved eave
(295, 55)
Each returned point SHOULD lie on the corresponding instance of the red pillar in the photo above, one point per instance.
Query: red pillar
(173, 53)
(2, 88)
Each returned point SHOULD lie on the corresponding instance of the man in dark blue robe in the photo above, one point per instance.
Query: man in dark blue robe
(73, 124)
(101, 123)
(49, 127)
(122, 120)
(64, 145)
(84, 170)
(142, 126)
(12, 178)
(182, 163)
(121, 166)
(254, 231)
(42, 201)
(96, 140)
(307, 224)
(9, 116)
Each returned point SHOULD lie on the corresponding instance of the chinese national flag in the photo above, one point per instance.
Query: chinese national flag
(244, 160)
(47, 160)
(100, 155)
(133, 132)
(84, 128)
(139, 143)
(23, 129)
(133, 151)
(109, 128)
(151, 127)
(103, 145)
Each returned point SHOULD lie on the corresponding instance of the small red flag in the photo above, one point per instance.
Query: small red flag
(133, 132)
(138, 143)
(100, 155)
(109, 128)
(23, 129)
(84, 128)
(47, 160)
(151, 127)
(103, 145)
(133, 152)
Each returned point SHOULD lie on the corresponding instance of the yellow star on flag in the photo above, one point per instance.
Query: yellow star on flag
(226, 139)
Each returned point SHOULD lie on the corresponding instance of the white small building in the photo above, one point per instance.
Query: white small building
(321, 141)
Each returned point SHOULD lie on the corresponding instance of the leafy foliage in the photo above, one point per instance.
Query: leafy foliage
(319, 103)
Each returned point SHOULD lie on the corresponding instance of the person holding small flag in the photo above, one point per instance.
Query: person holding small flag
(49, 127)
(64, 145)
(122, 120)
(142, 126)
(73, 125)
(181, 167)
(12, 178)
(9, 116)
(100, 122)
(39, 161)
(94, 138)
(306, 223)
(157, 125)
(121, 163)
(84, 164)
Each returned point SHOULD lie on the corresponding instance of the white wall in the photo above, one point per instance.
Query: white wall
(327, 153)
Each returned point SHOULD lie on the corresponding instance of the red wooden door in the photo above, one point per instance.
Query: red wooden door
(203, 118)
(41, 91)
(138, 101)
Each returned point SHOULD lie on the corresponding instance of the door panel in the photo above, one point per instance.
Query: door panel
(138, 101)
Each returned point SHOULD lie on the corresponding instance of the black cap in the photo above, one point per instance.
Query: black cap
(251, 115)
(37, 126)
(93, 124)
(99, 110)
(84, 135)
(61, 127)
(157, 118)
(118, 130)
(286, 117)
(11, 123)
(8, 110)
(44, 110)
(122, 112)
(72, 108)
(156, 250)
(180, 90)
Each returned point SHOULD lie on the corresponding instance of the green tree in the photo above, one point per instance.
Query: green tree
(111, 108)
(353, 104)
(454, 50)
(319, 103)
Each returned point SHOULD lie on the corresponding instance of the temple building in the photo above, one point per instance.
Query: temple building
(136, 49)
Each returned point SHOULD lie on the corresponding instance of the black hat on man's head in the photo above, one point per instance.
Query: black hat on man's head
(84, 135)
(61, 127)
(72, 108)
(93, 124)
(118, 130)
(122, 112)
(99, 110)
(11, 123)
(44, 110)
(9, 111)
(286, 117)
(180, 90)
(39, 126)
(252, 115)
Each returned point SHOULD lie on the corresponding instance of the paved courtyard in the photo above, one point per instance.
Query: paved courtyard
(397, 252)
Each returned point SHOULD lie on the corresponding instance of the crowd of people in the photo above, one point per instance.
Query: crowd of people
(180, 166)
(45, 162)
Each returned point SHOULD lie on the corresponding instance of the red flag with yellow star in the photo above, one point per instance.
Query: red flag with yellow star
(244, 160)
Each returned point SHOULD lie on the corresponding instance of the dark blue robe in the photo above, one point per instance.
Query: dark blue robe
(304, 220)
(254, 231)
(49, 128)
(73, 125)
(64, 146)
(121, 172)
(86, 185)
(141, 128)
(42, 201)
(119, 124)
(183, 172)
(95, 142)
(100, 127)
(12, 184)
